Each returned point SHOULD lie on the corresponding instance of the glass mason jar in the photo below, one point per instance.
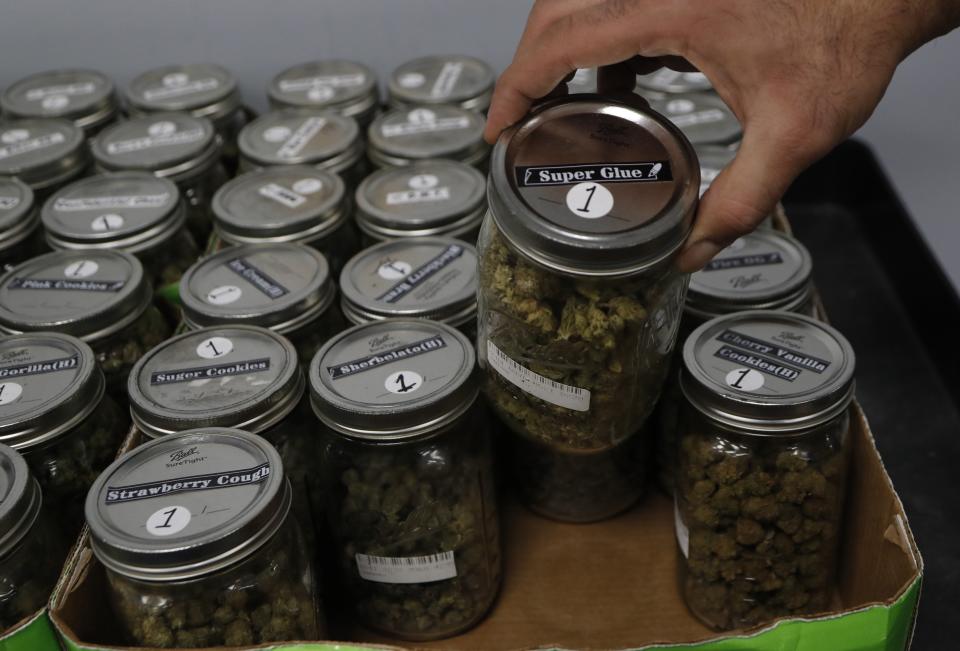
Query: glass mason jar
(53, 411)
(175, 146)
(579, 298)
(299, 136)
(764, 455)
(451, 79)
(421, 277)
(31, 550)
(44, 153)
(85, 97)
(217, 561)
(703, 117)
(292, 203)
(100, 296)
(407, 474)
(403, 136)
(437, 197)
(286, 287)
(21, 236)
(203, 90)
(134, 212)
(765, 270)
(346, 87)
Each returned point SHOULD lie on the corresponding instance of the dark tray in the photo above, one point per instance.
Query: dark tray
(884, 290)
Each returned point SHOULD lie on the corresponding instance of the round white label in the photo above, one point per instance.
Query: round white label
(589, 200)
(745, 379)
(320, 93)
(175, 79)
(214, 347)
(9, 391)
(307, 186)
(412, 80)
(277, 134)
(14, 135)
(81, 269)
(394, 270)
(737, 244)
(680, 106)
(403, 382)
(423, 181)
(55, 102)
(224, 295)
(161, 129)
(168, 520)
(421, 116)
(108, 222)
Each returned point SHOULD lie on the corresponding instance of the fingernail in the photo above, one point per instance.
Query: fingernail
(696, 254)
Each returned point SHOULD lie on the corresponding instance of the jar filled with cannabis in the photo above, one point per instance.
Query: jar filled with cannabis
(32, 550)
(423, 277)
(703, 117)
(763, 464)
(44, 153)
(196, 533)
(765, 270)
(85, 97)
(21, 236)
(579, 296)
(436, 197)
(100, 296)
(446, 79)
(301, 136)
(404, 136)
(135, 212)
(406, 462)
(292, 203)
(286, 287)
(175, 146)
(55, 412)
(346, 87)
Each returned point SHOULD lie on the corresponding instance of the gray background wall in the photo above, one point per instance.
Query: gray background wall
(915, 130)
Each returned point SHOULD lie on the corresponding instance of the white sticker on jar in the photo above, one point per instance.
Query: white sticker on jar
(214, 347)
(320, 93)
(224, 295)
(168, 520)
(9, 392)
(745, 379)
(403, 382)
(104, 223)
(407, 569)
(81, 269)
(412, 80)
(423, 181)
(394, 270)
(277, 134)
(589, 200)
(55, 102)
(308, 186)
(683, 534)
(556, 393)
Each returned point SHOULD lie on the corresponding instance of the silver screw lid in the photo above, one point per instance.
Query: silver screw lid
(670, 81)
(405, 135)
(177, 146)
(437, 197)
(201, 89)
(49, 383)
(41, 152)
(713, 160)
(393, 380)
(18, 217)
(187, 505)
(444, 79)
(20, 499)
(592, 186)
(703, 118)
(765, 270)
(85, 97)
(324, 139)
(768, 371)
(286, 203)
(228, 376)
(347, 87)
(422, 277)
(282, 286)
(129, 211)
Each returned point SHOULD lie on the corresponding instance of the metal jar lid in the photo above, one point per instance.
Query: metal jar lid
(393, 380)
(405, 135)
(86, 97)
(703, 118)
(49, 383)
(20, 499)
(129, 211)
(88, 293)
(445, 79)
(187, 505)
(282, 286)
(324, 139)
(591, 186)
(347, 87)
(669, 81)
(177, 146)
(768, 371)
(280, 204)
(41, 152)
(423, 277)
(765, 270)
(18, 218)
(713, 160)
(437, 197)
(229, 376)
(201, 89)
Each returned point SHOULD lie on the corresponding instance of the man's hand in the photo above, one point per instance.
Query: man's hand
(801, 75)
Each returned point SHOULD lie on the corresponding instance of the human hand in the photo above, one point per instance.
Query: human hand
(801, 76)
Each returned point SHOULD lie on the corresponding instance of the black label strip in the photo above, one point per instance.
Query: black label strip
(215, 481)
(544, 175)
(756, 260)
(422, 273)
(258, 278)
(208, 372)
(762, 364)
(67, 285)
(39, 368)
(373, 361)
(808, 362)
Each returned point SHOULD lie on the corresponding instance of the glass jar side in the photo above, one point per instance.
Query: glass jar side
(117, 353)
(166, 262)
(338, 246)
(310, 337)
(198, 194)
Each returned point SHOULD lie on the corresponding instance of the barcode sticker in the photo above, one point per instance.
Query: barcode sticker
(683, 534)
(407, 569)
(556, 393)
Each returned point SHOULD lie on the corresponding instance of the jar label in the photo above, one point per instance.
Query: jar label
(244, 367)
(9, 203)
(213, 481)
(257, 277)
(414, 278)
(322, 81)
(404, 197)
(446, 80)
(9, 392)
(79, 88)
(18, 141)
(407, 569)
(530, 176)
(161, 134)
(424, 121)
(282, 195)
(556, 393)
(754, 260)
(39, 368)
(371, 362)
(301, 137)
(178, 85)
(59, 284)
(112, 202)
